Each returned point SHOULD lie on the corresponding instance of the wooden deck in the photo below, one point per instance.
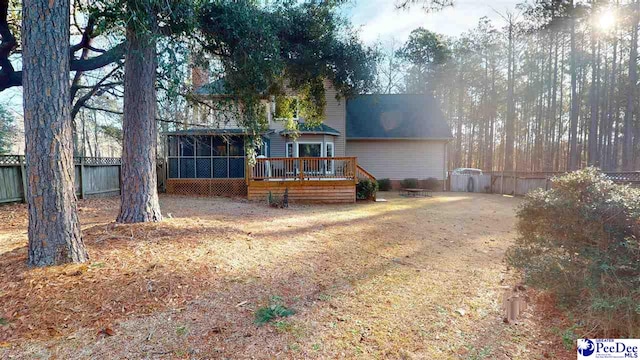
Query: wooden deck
(313, 180)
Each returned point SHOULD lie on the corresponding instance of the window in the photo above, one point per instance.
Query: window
(290, 150)
(309, 149)
(329, 153)
(264, 149)
(206, 157)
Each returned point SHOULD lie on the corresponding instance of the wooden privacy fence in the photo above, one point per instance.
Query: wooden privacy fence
(469, 183)
(520, 183)
(93, 177)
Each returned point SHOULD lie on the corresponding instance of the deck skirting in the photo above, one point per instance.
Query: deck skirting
(321, 191)
(207, 187)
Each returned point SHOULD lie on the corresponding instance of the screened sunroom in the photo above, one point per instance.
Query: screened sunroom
(207, 162)
(207, 156)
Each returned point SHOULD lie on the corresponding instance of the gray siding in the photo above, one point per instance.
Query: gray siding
(334, 115)
(278, 143)
(400, 159)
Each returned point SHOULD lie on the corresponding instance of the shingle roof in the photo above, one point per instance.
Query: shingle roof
(395, 117)
(304, 128)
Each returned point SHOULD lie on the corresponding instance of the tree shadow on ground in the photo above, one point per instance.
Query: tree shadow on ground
(202, 270)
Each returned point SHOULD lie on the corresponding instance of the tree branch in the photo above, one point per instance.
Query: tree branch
(93, 91)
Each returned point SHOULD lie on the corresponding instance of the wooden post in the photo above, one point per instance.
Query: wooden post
(82, 178)
(247, 170)
(23, 175)
(354, 167)
(301, 166)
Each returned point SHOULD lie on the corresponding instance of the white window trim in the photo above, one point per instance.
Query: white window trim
(323, 148)
(293, 148)
(333, 149)
(330, 164)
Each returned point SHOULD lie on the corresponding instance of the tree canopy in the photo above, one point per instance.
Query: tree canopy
(426, 51)
(265, 49)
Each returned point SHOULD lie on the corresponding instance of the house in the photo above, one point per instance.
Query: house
(392, 136)
(398, 136)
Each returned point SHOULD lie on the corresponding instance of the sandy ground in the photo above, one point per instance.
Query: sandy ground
(404, 279)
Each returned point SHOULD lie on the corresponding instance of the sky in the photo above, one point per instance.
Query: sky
(380, 20)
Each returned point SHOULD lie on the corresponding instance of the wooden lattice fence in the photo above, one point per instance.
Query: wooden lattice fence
(207, 187)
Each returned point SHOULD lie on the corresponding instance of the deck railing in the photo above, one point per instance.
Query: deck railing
(363, 174)
(303, 169)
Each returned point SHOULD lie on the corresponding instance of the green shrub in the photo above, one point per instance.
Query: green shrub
(384, 185)
(580, 240)
(409, 183)
(272, 312)
(430, 184)
(366, 189)
(275, 310)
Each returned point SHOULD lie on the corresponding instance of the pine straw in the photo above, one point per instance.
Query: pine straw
(134, 271)
(411, 278)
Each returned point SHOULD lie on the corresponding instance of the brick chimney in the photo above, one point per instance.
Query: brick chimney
(199, 76)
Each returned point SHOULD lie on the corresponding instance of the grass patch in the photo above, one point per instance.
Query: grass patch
(275, 310)
(181, 331)
(3, 321)
(283, 326)
(269, 313)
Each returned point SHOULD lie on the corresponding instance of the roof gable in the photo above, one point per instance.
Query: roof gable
(395, 117)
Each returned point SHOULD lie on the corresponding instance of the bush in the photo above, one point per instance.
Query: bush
(274, 311)
(430, 184)
(409, 183)
(579, 240)
(366, 189)
(384, 185)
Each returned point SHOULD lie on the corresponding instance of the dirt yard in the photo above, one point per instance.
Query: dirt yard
(407, 279)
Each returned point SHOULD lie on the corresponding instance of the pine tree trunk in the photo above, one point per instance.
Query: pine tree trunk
(627, 144)
(592, 156)
(575, 101)
(510, 120)
(54, 231)
(139, 198)
(459, 152)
